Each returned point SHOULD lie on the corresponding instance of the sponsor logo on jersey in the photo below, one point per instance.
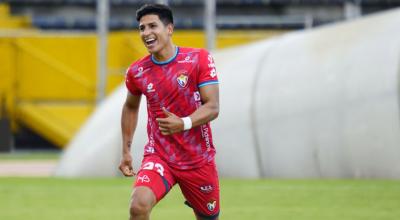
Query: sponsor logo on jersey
(211, 205)
(213, 73)
(206, 136)
(144, 179)
(186, 60)
(141, 71)
(211, 65)
(150, 88)
(196, 96)
(182, 80)
(150, 150)
(206, 189)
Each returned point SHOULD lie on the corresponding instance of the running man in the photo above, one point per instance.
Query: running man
(181, 89)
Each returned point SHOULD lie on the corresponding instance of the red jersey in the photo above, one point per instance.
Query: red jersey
(174, 84)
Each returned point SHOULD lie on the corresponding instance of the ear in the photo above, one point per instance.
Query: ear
(170, 28)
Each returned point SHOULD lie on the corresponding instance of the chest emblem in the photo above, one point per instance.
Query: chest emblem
(182, 80)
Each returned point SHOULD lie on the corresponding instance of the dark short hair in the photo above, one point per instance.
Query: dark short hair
(164, 12)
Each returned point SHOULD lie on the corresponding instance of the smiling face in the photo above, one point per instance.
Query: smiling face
(156, 36)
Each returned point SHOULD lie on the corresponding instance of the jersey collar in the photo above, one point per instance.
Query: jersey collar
(167, 61)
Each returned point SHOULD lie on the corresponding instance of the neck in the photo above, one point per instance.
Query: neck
(166, 53)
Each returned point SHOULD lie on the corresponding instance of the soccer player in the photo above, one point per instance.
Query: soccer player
(181, 89)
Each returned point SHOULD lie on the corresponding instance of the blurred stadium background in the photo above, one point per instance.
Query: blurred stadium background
(57, 66)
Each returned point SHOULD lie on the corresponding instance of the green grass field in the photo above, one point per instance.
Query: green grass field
(85, 199)
(30, 156)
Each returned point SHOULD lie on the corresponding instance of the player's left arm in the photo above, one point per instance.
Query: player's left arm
(207, 112)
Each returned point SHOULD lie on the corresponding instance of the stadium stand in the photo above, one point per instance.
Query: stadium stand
(63, 14)
(9, 21)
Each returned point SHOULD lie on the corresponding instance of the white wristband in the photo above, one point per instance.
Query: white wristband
(187, 123)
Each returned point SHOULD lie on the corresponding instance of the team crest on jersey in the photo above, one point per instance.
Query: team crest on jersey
(211, 205)
(182, 80)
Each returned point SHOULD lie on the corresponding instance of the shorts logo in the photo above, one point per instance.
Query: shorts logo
(182, 80)
(211, 205)
(206, 189)
(144, 179)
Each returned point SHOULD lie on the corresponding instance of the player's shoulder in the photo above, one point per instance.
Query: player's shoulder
(191, 50)
(139, 66)
(144, 61)
(200, 55)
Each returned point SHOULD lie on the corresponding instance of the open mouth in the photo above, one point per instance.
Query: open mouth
(150, 42)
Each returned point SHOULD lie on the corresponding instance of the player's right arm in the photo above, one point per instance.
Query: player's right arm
(129, 119)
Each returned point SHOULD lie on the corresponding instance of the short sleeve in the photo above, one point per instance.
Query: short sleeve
(207, 70)
(130, 83)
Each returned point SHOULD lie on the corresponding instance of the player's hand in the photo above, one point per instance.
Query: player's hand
(171, 124)
(125, 165)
